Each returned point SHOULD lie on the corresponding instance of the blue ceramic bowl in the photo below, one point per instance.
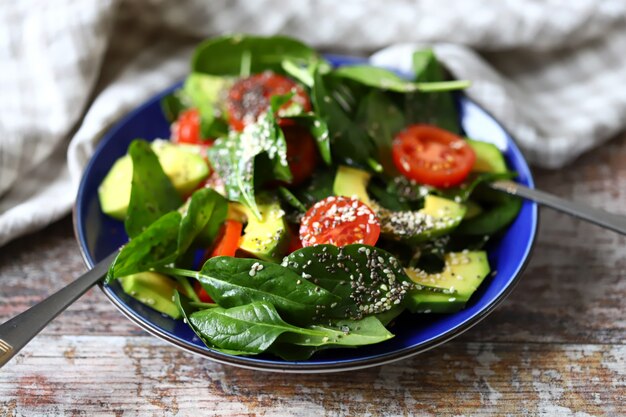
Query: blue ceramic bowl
(99, 235)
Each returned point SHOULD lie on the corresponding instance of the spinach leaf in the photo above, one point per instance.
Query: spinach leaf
(366, 279)
(350, 143)
(253, 328)
(381, 119)
(291, 199)
(370, 330)
(436, 108)
(237, 281)
(186, 308)
(202, 220)
(384, 79)
(152, 193)
(233, 158)
(156, 246)
(250, 328)
(225, 55)
(366, 331)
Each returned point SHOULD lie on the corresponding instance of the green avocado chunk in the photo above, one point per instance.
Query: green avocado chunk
(438, 217)
(448, 290)
(184, 166)
(425, 301)
(488, 157)
(154, 290)
(266, 238)
(352, 182)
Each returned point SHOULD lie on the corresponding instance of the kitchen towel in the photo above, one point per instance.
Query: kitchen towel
(553, 72)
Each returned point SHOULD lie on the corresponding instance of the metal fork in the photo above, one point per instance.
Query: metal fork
(600, 217)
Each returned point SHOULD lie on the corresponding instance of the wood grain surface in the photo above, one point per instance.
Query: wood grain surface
(555, 347)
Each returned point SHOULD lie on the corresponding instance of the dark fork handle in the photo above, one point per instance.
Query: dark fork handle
(597, 216)
(18, 331)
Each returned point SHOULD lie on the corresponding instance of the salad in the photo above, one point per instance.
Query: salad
(297, 207)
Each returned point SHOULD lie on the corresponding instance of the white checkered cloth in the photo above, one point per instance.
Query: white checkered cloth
(553, 72)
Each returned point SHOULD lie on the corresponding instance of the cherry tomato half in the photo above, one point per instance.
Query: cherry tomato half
(432, 156)
(339, 221)
(249, 97)
(187, 129)
(302, 154)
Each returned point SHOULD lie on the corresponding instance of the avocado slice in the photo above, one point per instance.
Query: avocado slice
(184, 166)
(488, 157)
(351, 182)
(425, 301)
(154, 290)
(265, 238)
(438, 217)
(462, 274)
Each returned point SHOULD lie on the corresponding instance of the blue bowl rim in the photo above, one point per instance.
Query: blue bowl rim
(296, 366)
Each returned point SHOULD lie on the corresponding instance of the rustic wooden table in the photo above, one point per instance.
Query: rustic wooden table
(556, 346)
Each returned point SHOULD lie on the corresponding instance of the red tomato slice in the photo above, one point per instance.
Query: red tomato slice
(229, 242)
(187, 129)
(432, 156)
(249, 97)
(339, 221)
(302, 154)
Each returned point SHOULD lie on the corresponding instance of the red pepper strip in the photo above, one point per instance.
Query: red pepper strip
(229, 242)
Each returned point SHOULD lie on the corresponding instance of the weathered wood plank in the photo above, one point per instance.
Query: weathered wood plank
(97, 374)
